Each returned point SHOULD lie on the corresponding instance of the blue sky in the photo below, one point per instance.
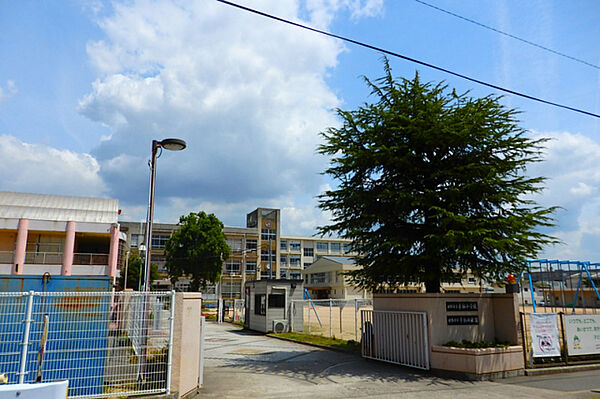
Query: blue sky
(86, 85)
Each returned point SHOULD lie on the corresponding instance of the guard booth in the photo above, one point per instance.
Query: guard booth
(268, 305)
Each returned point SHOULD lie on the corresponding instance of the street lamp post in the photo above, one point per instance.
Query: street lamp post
(171, 145)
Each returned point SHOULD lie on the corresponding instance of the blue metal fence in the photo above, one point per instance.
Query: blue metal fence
(92, 341)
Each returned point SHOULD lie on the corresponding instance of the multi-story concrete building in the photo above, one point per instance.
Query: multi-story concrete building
(326, 279)
(258, 251)
(59, 235)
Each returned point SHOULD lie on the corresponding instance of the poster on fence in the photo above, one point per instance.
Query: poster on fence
(544, 334)
(583, 334)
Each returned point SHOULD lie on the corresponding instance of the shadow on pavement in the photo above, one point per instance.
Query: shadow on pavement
(321, 365)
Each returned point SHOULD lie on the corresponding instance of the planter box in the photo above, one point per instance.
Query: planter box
(494, 362)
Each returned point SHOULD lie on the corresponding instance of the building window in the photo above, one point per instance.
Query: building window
(294, 260)
(322, 246)
(307, 264)
(231, 288)
(135, 240)
(335, 246)
(268, 235)
(251, 244)
(283, 245)
(283, 260)
(471, 280)
(277, 300)
(283, 273)
(347, 248)
(182, 286)
(318, 278)
(232, 266)
(309, 252)
(264, 255)
(250, 266)
(260, 304)
(264, 274)
(295, 276)
(235, 244)
(159, 240)
(295, 246)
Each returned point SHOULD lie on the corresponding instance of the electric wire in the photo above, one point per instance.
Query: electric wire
(414, 60)
(509, 35)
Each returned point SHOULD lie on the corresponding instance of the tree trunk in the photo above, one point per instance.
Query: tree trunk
(433, 286)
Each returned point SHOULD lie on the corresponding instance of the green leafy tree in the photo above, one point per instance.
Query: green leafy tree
(134, 274)
(432, 184)
(197, 249)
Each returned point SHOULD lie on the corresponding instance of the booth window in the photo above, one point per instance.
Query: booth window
(276, 300)
(260, 307)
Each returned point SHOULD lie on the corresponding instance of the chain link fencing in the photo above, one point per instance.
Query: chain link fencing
(338, 318)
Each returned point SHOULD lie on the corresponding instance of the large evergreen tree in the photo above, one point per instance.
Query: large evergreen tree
(197, 248)
(433, 184)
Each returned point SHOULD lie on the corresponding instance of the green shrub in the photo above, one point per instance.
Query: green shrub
(477, 345)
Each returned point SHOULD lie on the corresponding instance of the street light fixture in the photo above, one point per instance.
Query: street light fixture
(170, 144)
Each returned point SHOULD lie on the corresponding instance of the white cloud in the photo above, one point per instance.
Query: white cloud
(42, 169)
(323, 11)
(247, 94)
(581, 189)
(299, 216)
(573, 177)
(9, 91)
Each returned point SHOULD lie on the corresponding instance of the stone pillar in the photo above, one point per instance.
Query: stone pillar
(187, 325)
(68, 249)
(114, 251)
(20, 247)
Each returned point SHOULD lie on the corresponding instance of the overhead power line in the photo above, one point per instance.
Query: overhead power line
(509, 35)
(414, 60)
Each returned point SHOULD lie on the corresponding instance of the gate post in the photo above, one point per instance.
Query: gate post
(187, 345)
(25, 343)
(201, 359)
(356, 320)
(170, 348)
(330, 320)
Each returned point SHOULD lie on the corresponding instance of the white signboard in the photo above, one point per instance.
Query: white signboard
(544, 334)
(583, 334)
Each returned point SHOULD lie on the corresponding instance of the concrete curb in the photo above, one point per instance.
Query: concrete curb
(315, 345)
(173, 395)
(562, 369)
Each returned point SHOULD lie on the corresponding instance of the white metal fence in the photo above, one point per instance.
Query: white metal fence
(105, 344)
(395, 337)
(331, 317)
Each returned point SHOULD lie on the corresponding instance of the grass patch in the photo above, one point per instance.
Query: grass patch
(332, 342)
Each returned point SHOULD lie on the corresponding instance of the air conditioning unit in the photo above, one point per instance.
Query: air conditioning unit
(280, 326)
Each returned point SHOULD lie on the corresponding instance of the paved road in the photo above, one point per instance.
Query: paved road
(241, 364)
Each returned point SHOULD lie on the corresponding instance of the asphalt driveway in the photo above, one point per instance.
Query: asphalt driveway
(243, 364)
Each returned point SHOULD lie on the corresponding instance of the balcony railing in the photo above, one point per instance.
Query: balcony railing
(90, 259)
(232, 270)
(6, 256)
(43, 258)
(55, 258)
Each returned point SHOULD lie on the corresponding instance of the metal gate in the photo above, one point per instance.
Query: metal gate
(395, 337)
(106, 344)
